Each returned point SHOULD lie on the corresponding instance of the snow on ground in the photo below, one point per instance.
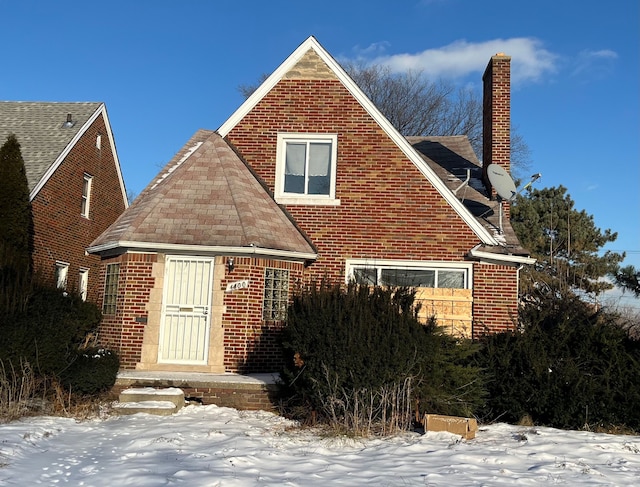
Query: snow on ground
(213, 446)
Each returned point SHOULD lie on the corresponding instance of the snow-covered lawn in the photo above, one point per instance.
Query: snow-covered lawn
(212, 446)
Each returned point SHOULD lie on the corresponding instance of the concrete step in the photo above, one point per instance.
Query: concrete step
(162, 402)
(159, 408)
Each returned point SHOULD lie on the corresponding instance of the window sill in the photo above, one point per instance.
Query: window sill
(305, 200)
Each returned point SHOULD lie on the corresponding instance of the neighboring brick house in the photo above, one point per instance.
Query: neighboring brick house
(75, 183)
(306, 181)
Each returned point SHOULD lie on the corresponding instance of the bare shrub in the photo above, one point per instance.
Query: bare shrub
(384, 410)
(18, 390)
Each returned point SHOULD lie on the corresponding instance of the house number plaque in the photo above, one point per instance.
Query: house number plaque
(234, 286)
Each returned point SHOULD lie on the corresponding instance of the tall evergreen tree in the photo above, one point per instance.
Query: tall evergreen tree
(565, 241)
(16, 223)
(628, 278)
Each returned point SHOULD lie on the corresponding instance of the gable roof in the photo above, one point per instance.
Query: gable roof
(45, 140)
(485, 236)
(454, 161)
(206, 200)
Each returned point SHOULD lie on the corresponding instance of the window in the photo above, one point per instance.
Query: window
(86, 195)
(83, 283)
(110, 289)
(62, 269)
(410, 274)
(276, 294)
(306, 169)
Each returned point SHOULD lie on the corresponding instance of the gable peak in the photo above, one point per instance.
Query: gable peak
(310, 66)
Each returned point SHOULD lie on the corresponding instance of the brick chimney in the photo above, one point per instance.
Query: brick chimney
(496, 119)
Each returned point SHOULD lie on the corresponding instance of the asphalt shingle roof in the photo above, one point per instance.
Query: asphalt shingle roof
(206, 196)
(450, 157)
(39, 129)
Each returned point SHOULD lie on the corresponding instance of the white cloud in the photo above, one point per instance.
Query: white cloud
(594, 63)
(529, 60)
(373, 49)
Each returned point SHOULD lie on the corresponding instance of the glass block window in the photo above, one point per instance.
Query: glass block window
(276, 294)
(110, 289)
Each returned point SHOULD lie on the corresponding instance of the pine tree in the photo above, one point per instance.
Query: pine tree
(628, 278)
(565, 241)
(16, 223)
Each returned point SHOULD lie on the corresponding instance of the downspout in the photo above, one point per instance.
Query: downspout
(518, 269)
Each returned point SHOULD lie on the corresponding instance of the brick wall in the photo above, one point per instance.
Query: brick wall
(251, 344)
(61, 233)
(124, 331)
(387, 208)
(495, 298)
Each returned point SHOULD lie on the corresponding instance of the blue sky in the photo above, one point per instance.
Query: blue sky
(167, 68)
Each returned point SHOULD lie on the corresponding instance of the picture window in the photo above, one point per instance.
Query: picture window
(413, 275)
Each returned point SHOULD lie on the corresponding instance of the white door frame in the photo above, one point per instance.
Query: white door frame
(185, 325)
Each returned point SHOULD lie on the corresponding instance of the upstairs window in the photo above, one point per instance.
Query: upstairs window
(110, 289)
(306, 169)
(86, 195)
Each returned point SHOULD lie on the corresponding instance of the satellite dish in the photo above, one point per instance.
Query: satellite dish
(502, 182)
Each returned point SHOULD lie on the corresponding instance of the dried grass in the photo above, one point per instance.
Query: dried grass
(24, 393)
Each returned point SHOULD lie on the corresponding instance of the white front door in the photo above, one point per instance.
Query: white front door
(186, 306)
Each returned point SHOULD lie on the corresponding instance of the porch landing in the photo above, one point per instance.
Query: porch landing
(250, 392)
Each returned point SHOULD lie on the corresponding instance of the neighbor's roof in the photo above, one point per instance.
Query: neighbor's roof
(44, 139)
(206, 200)
(450, 157)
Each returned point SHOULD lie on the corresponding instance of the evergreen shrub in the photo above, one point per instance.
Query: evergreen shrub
(49, 331)
(16, 228)
(348, 344)
(91, 371)
(571, 366)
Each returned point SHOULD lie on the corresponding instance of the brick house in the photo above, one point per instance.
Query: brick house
(306, 180)
(76, 187)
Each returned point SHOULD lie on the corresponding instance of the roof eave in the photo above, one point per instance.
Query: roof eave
(125, 245)
(490, 257)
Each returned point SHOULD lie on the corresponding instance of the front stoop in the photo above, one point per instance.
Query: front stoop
(161, 402)
(245, 392)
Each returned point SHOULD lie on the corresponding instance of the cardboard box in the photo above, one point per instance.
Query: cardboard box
(465, 427)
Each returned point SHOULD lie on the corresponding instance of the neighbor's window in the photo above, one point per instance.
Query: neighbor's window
(86, 195)
(110, 289)
(62, 269)
(276, 294)
(410, 276)
(306, 168)
(83, 283)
